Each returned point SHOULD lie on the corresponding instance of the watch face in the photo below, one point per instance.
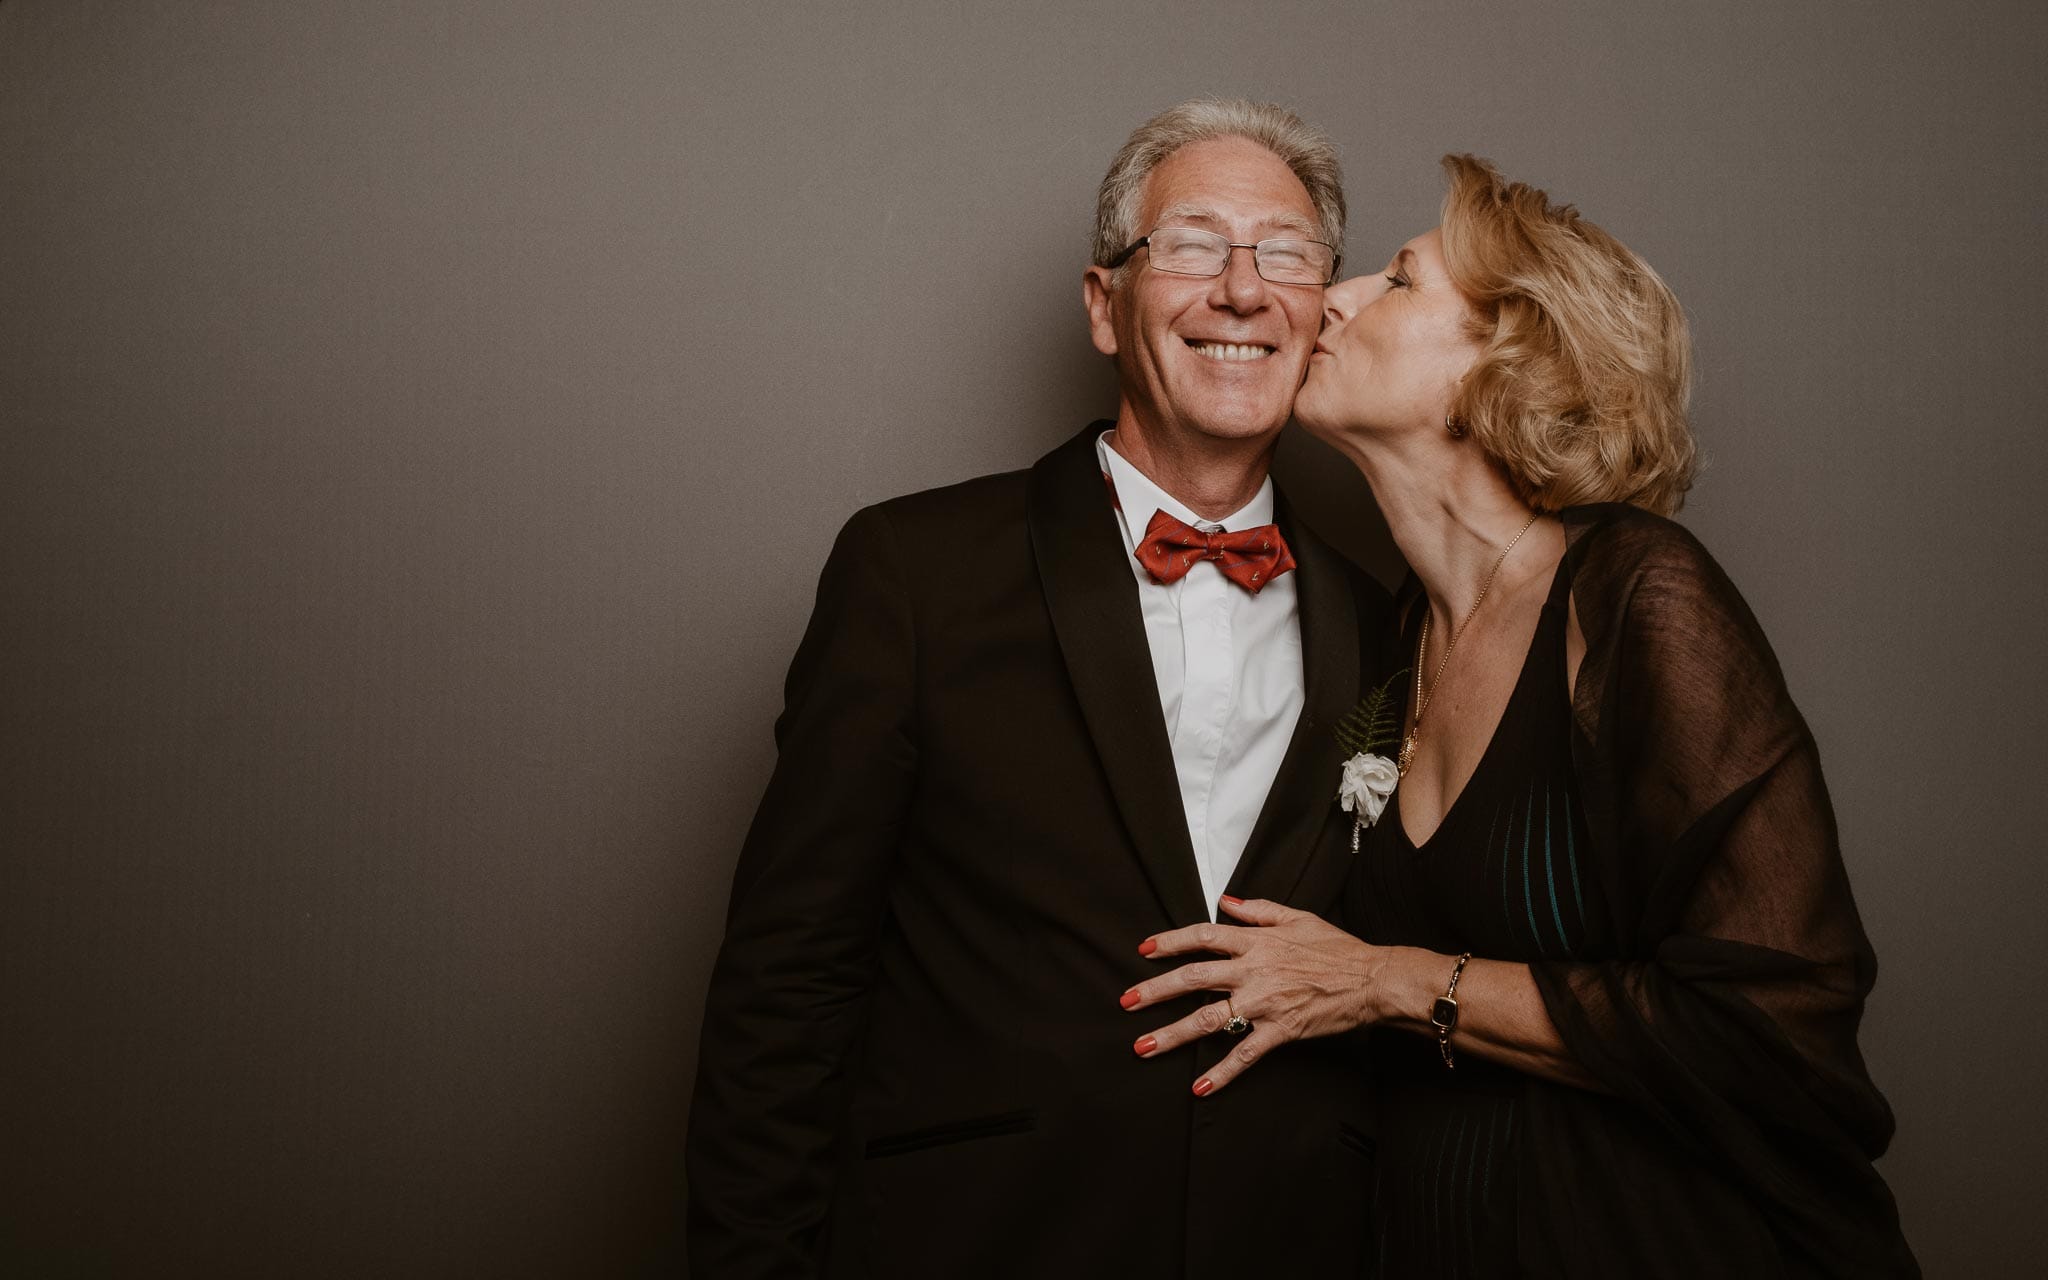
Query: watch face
(1444, 1013)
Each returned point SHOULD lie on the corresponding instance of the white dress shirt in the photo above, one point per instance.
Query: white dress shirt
(1228, 665)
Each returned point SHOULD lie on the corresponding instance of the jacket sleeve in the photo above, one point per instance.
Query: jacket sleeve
(1727, 1024)
(787, 993)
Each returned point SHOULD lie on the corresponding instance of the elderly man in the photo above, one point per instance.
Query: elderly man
(1036, 718)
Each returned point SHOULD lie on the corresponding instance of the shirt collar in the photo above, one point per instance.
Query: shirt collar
(1139, 498)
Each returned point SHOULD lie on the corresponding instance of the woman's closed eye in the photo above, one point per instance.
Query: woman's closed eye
(1397, 279)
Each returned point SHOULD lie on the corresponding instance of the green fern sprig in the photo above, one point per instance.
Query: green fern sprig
(1374, 725)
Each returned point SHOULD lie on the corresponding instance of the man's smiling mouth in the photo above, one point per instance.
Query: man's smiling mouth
(1237, 351)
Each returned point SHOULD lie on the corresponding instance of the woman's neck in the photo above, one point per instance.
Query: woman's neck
(1452, 512)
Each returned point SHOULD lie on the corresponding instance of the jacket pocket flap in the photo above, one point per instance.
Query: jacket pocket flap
(939, 1135)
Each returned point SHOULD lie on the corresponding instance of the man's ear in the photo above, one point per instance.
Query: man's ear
(1096, 295)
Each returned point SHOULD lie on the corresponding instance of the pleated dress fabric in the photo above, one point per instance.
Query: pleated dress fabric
(1656, 843)
(1501, 878)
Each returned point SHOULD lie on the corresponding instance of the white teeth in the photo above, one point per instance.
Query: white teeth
(1231, 350)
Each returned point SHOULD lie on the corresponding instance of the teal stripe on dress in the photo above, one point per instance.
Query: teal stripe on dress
(1528, 892)
(1571, 853)
(1490, 847)
(1550, 876)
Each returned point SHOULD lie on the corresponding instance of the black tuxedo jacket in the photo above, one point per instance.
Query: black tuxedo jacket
(913, 1060)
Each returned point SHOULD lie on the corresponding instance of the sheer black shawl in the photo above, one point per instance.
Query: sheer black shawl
(1743, 1124)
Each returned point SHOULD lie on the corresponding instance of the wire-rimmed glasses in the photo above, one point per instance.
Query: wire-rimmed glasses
(1190, 251)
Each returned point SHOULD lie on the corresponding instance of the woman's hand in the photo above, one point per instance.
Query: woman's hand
(1292, 977)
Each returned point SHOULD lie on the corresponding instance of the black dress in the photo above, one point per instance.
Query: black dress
(1657, 845)
(1500, 878)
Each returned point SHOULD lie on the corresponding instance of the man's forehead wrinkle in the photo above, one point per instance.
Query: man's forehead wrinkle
(1182, 212)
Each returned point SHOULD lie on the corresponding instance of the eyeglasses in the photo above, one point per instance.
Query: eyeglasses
(1186, 251)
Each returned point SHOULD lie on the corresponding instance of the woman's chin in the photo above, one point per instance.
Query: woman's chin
(1310, 411)
(1317, 418)
(1323, 413)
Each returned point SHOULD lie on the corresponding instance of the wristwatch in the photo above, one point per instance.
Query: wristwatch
(1443, 1013)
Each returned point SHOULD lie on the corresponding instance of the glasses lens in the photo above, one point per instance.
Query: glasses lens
(1296, 261)
(1188, 252)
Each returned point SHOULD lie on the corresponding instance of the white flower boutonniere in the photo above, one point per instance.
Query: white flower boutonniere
(1369, 781)
(1369, 778)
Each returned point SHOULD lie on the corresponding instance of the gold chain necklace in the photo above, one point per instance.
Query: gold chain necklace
(1424, 697)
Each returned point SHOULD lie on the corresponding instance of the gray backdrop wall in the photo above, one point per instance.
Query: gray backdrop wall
(424, 422)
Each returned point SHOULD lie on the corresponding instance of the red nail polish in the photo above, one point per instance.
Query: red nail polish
(1203, 1086)
(1235, 902)
(1148, 946)
(1129, 1000)
(1145, 1045)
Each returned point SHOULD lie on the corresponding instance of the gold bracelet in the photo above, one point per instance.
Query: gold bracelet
(1443, 1014)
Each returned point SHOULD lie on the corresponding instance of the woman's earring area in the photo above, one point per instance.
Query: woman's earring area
(1456, 426)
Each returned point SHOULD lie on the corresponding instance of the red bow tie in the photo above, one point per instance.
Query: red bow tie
(1249, 557)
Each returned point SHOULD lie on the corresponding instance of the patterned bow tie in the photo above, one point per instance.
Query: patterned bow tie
(1249, 557)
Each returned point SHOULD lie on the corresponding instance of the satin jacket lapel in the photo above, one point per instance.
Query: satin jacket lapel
(1288, 834)
(1095, 613)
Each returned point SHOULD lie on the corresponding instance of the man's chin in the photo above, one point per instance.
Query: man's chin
(1240, 428)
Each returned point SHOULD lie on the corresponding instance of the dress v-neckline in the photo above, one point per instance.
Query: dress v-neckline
(1492, 739)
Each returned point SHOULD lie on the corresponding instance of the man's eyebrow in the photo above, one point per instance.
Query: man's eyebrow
(1175, 214)
(1188, 213)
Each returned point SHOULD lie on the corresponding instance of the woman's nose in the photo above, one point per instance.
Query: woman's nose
(1342, 299)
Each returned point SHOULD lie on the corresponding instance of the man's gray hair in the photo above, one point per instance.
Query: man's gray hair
(1304, 148)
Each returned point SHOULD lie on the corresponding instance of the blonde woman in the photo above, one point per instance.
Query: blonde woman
(1601, 929)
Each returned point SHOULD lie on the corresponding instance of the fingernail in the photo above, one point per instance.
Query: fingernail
(1203, 1086)
(1129, 999)
(1148, 946)
(1235, 902)
(1145, 1045)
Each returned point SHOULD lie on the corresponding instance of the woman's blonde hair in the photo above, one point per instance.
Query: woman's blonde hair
(1585, 362)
